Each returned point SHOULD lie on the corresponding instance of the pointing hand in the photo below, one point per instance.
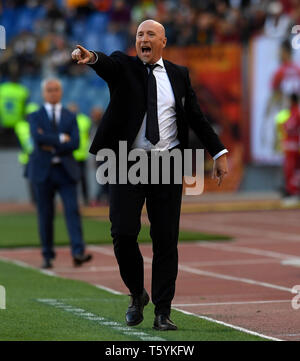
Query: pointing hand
(83, 55)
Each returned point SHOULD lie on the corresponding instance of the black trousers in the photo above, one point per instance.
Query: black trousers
(163, 203)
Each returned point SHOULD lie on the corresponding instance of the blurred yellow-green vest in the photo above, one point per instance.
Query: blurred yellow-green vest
(13, 97)
(280, 119)
(22, 130)
(84, 125)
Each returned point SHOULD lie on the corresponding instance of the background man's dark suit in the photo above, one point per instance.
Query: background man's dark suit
(48, 177)
(127, 80)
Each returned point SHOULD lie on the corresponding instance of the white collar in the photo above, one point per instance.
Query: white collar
(160, 62)
(49, 107)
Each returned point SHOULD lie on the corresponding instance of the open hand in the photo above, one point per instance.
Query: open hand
(66, 138)
(83, 55)
(220, 169)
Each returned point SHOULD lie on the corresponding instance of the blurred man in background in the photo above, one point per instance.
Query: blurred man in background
(102, 192)
(286, 79)
(288, 133)
(52, 168)
(22, 130)
(13, 99)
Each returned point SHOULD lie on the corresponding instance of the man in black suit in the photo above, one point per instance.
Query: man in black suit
(52, 169)
(152, 106)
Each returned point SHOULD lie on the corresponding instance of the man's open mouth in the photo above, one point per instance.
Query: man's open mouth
(146, 50)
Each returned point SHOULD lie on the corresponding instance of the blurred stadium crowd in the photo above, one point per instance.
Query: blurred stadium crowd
(40, 36)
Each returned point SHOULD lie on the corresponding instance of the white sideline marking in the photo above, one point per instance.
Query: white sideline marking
(102, 250)
(291, 262)
(88, 315)
(233, 278)
(2, 298)
(100, 320)
(232, 262)
(108, 289)
(229, 325)
(18, 263)
(286, 259)
(48, 273)
(250, 231)
(90, 269)
(87, 269)
(228, 303)
(248, 250)
(26, 265)
(213, 274)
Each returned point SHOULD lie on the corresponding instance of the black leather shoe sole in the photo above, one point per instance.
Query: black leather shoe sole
(136, 322)
(165, 328)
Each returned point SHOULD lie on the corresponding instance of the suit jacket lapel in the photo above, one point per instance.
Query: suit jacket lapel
(47, 121)
(173, 75)
(45, 117)
(175, 80)
(61, 120)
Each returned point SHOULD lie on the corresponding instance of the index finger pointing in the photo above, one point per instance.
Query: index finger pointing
(81, 48)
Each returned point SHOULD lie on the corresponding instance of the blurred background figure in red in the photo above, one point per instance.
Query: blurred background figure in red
(288, 128)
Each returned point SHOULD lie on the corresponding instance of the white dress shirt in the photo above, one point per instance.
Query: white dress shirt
(49, 110)
(166, 114)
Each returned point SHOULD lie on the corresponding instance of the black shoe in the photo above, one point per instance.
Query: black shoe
(81, 258)
(47, 263)
(134, 314)
(163, 323)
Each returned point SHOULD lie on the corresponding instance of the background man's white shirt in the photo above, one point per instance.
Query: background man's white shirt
(49, 110)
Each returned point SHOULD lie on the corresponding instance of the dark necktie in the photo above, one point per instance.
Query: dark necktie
(152, 129)
(53, 121)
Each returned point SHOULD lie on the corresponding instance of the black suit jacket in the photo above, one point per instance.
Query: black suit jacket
(126, 77)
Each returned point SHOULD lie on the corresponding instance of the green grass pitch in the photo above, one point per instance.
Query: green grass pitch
(26, 318)
(20, 230)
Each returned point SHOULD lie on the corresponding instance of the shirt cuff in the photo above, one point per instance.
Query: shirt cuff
(220, 153)
(96, 56)
(61, 137)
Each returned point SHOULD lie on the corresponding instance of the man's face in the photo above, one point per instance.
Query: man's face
(150, 41)
(52, 92)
